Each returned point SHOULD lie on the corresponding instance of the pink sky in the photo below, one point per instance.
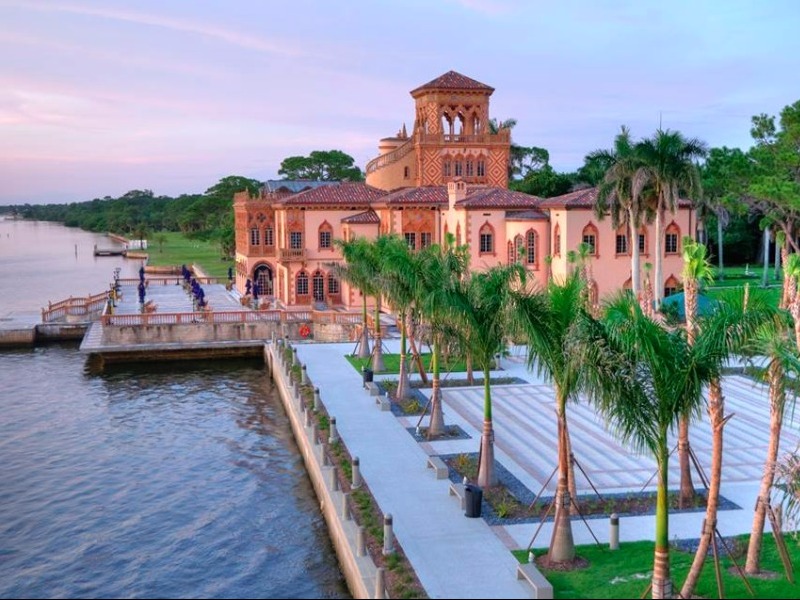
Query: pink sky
(97, 98)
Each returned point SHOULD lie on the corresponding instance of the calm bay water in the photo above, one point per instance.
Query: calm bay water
(176, 480)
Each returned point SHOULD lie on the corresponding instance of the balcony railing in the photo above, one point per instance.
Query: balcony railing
(288, 254)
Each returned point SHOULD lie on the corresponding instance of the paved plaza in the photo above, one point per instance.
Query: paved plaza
(459, 557)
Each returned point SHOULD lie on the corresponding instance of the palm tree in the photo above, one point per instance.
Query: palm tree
(668, 168)
(643, 378)
(355, 271)
(615, 195)
(726, 330)
(479, 307)
(696, 269)
(547, 320)
(772, 341)
(791, 271)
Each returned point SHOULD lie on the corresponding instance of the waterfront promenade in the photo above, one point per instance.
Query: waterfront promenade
(460, 557)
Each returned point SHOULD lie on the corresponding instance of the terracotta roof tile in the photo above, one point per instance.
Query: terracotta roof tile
(495, 197)
(346, 192)
(452, 81)
(584, 198)
(427, 195)
(368, 217)
(526, 215)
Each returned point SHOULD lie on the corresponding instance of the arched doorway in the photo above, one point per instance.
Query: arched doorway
(263, 276)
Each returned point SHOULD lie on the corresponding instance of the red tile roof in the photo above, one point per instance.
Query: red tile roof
(343, 193)
(586, 198)
(427, 195)
(526, 215)
(368, 217)
(452, 81)
(494, 197)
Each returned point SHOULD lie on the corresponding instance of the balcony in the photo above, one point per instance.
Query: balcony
(290, 254)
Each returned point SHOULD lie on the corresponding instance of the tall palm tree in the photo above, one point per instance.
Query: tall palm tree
(726, 330)
(772, 341)
(442, 268)
(668, 167)
(791, 271)
(643, 378)
(479, 307)
(547, 319)
(356, 271)
(615, 195)
(696, 269)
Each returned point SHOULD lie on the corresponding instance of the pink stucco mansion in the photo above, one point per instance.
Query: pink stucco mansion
(448, 175)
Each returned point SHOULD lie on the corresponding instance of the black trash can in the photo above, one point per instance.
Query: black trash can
(473, 495)
(367, 374)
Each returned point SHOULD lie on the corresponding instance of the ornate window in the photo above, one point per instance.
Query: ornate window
(670, 286)
(269, 236)
(459, 170)
(255, 237)
(447, 168)
(590, 237)
(671, 237)
(530, 247)
(325, 236)
(302, 283)
(318, 286)
(296, 240)
(481, 168)
(470, 168)
(333, 285)
(486, 239)
(622, 241)
(424, 239)
(643, 241)
(411, 240)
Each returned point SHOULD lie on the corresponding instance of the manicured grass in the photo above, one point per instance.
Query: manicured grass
(179, 250)
(392, 363)
(626, 573)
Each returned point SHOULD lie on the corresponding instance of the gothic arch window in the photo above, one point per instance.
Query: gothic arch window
(333, 285)
(481, 170)
(672, 237)
(301, 285)
(557, 240)
(269, 235)
(255, 236)
(621, 247)
(642, 240)
(670, 286)
(318, 286)
(486, 239)
(470, 164)
(325, 236)
(590, 236)
(531, 248)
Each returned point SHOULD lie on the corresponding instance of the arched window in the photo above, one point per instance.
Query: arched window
(622, 240)
(325, 236)
(670, 286)
(557, 240)
(643, 240)
(486, 239)
(531, 241)
(481, 168)
(301, 284)
(590, 237)
(459, 168)
(318, 286)
(269, 236)
(470, 168)
(672, 238)
(447, 168)
(333, 285)
(255, 237)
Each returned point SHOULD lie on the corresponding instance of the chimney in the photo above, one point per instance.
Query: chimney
(456, 191)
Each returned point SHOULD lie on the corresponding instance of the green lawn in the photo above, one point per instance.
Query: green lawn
(178, 250)
(392, 363)
(626, 573)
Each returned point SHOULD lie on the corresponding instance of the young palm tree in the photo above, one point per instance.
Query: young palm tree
(479, 307)
(668, 167)
(356, 271)
(791, 272)
(615, 196)
(643, 378)
(772, 341)
(696, 269)
(547, 319)
(727, 330)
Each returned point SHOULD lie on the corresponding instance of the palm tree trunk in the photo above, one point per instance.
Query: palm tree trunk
(573, 491)
(636, 277)
(765, 279)
(562, 545)
(720, 246)
(687, 491)
(662, 584)
(658, 284)
(363, 345)
(486, 473)
(403, 387)
(777, 396)
(786, 298)
(377, 356)
(716, 415)
(795, 310)
(470, 374)
(436, 426)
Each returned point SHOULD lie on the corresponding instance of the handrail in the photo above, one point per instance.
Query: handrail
(229, 316)
(169, 280)
(390, 157)
(74, 307)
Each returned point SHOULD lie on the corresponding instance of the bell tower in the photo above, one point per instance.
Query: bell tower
(451, 139)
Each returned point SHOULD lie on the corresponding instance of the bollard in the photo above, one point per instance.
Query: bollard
(345, 507)
(317, 401)
(304, 375)
(613, 532)
(388, 535)
(380, 583)
(356, 474)
(334, 437)
(361, 543)
(295, 360)
(334, 480)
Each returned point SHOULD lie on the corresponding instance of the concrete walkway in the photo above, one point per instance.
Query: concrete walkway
(466, 558)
